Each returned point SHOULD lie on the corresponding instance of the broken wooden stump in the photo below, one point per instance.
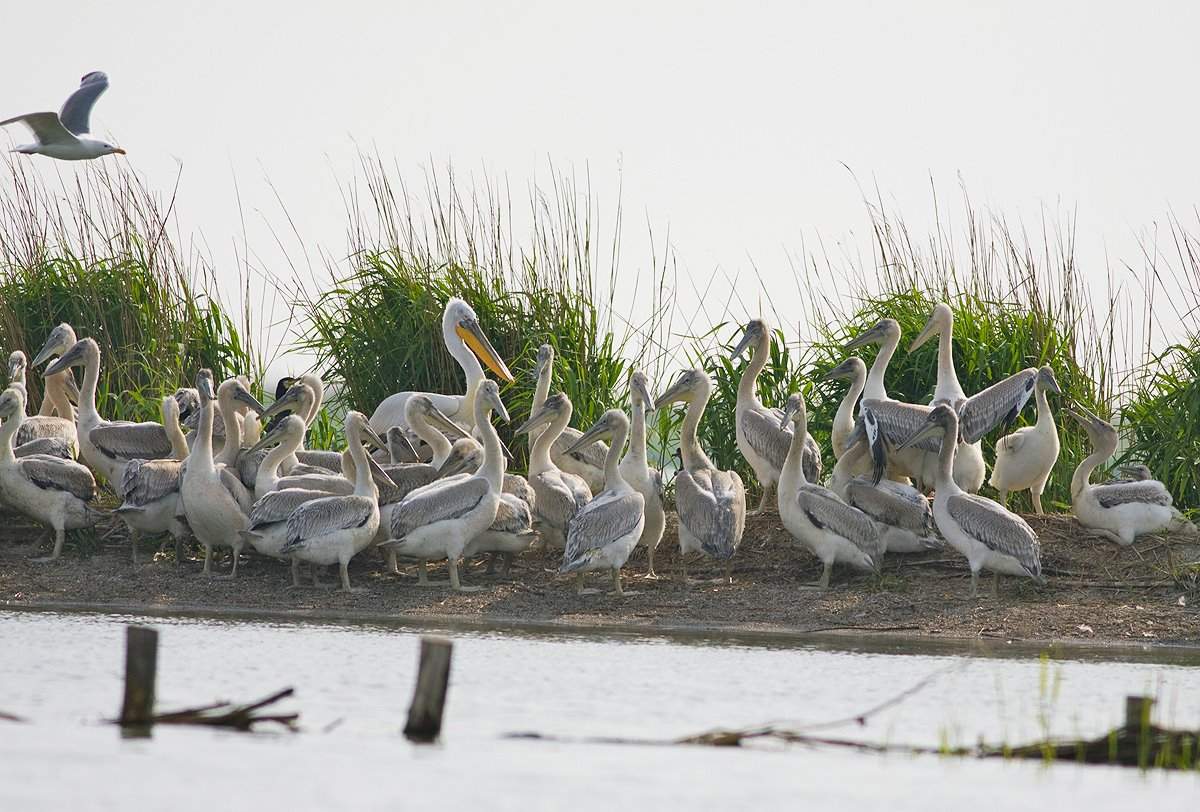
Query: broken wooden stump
(141, 668)
(429, 695)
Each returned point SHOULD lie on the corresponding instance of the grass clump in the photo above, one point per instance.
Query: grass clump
(97, 254)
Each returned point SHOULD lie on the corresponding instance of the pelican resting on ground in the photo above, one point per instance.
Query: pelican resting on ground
(983, 531)
(105, 445)
(333, 529)
(585, 462)
(468, 345)
(211, 493)
(831, 529)
(440, 519)
(604, 531)
(762, 436)
(559, 494)
(65, 135)
(711, 503)
(53, 491)
(1025, 458)
(149, 489)
(1119, 511)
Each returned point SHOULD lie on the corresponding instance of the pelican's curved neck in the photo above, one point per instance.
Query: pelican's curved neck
(612, 461)
(947, 388)
(792, 476)
(179, 446)
(492, 468)
(1044, 418)
(541, 391)
(201, 457)
(436, 441)
(539, 452)
(1083, 474)
(268, 469)
(945, 470)
(875, 388)
(7, 431)
(233, 428)
(91, 381)
(637, 432)
(843, 420)
(54, 396)
(748, 386)
(689, 445)
(472, 369)
(364, 483)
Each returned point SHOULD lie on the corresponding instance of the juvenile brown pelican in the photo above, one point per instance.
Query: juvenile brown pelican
(50, 490)
(559, 494)
(149, 489)
(439, 520)
(983, 531)
(711, 503)
(467, 343)
(1119, 511)
(105, 445)
(604, 531)
(211, 493)
(586, 462)
(832, 530)
(762, 435)
(333, 529)
(1025, 458)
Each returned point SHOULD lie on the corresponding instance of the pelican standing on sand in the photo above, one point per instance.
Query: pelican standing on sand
(585, 462)
(64, 135)
(149, 489)
(711, 503)
(604, 531)
(51, 490)
(763, 436)
(210, 492)
(559, 495)
(439, 520)
(466, 342)
(1119, 511)
(637, 471)
(832, 530)
(1025, 458)
(983, 531)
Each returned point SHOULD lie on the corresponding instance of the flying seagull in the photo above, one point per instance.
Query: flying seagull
(62, 135)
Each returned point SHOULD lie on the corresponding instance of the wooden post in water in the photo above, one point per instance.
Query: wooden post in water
(141, 666)
(429, 695)
(1137, 709)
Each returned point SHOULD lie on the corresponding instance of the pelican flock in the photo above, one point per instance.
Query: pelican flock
(426, 477)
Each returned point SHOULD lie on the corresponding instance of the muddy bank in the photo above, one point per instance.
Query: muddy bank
(1096, 591)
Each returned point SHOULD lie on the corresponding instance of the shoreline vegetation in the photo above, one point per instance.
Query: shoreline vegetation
(107, 254)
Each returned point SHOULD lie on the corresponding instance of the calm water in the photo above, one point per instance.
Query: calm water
(353, 684)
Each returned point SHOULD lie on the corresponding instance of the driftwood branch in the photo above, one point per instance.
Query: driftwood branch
(227, 714)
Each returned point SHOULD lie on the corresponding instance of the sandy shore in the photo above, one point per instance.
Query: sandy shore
(1096, 592)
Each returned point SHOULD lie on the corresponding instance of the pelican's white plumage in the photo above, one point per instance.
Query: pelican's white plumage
(1025, 458)
(56, 421)
(51, 490)
(559, 495)
(149, 489)
(64, 135)
(762, 436)
(636, 470)
(586, 462)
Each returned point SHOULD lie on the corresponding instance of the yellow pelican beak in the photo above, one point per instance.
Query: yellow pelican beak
(472, 335)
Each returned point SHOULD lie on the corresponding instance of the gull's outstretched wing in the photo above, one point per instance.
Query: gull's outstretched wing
(46, 127)
(78, 106)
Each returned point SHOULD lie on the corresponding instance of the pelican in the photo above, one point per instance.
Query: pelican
(149, 489)
(399, 448)
(637, 472)
(762, 437)
(604, 532)
(439, 520)
(105, 445)
(586, 462)
(1025, 458)
(46, 425)
(559, 495)
(304, 396)
(983, 531)
(65, 135)
(333, 529)
(211, 493)
(51, 490)
(899, 421)
(854, 370)
(832, 530)
(466, 342)
(1119, 511)
(711, 503)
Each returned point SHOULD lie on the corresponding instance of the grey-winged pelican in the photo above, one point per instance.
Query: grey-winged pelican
(585, 462)
(983, 531)
(762, 435)
(559, 494)
(50, 490)
(1025, 458)
(711, 503)
(149, 489)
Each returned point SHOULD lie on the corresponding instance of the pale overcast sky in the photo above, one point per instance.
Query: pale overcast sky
(729, 124)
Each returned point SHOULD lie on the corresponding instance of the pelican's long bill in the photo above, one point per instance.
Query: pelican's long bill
(871, 336)
(440, 421)
(272, 437)
(15, 365)
(65, 361)
(472, 335)
(600, 431)
(243, 394)
(289, 397)
(930, 428)
(930, 330)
